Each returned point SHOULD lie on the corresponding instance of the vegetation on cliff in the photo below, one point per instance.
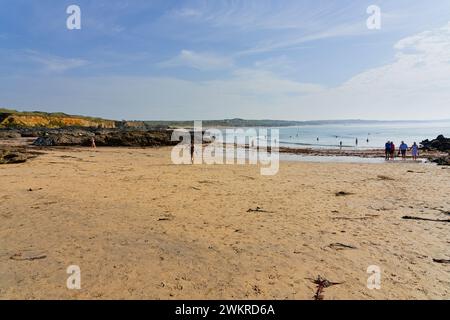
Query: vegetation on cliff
(15, 119)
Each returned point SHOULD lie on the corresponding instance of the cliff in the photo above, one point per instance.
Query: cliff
(16, 119)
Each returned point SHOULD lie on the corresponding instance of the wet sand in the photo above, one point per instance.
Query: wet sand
(140, 227)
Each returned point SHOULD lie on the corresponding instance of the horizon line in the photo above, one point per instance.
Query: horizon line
(234, 118)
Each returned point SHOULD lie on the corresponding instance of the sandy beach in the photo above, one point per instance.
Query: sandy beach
(140, 227)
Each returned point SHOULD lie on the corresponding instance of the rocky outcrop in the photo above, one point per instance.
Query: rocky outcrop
(440, 143)
(130, 124)
(12, 156)
(111, 138)
(441, 161)
(9, 134)
(152, 138)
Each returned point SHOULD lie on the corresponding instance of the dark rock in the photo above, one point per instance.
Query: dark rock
(12, 156)
(9, 134)
(440, 143)
(112, 138)
(441, 161)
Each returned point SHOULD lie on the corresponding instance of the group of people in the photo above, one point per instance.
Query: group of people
(390, 150)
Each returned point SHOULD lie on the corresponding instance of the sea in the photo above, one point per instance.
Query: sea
(360, 136)
(367, 136)
(355, 136)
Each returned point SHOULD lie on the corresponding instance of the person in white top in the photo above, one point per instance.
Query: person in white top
(415, 151)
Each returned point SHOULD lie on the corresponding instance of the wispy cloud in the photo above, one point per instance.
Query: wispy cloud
(277, 25)
(263, 14)
(187, 12)
(295, 41)
(196, 60)
(52, 63)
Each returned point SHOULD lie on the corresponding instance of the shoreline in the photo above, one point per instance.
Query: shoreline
(349, 155)
(352, 153)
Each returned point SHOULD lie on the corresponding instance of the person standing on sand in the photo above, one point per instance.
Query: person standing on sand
(340, 145)
(192, 152)
(356, 141)
(392, 151)
(402, 149)
(387, 150)
(415, 151)
(93, 143)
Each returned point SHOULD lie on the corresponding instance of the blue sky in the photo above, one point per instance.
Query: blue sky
(221, 59)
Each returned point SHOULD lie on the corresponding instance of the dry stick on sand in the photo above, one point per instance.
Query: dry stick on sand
(441, 261)
(258, 209)
(19, 257)
(322, 283)
(356, 218)
(424, 219)
(340, 246)
(385, 178)
(343, 193)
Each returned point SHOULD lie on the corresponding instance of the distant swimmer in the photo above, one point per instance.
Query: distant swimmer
(356, 141)
(317, 139)
(367, 140)
(340, 145)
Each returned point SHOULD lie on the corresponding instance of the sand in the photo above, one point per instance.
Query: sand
(140, 227)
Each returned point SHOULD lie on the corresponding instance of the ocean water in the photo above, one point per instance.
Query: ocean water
(369, 135)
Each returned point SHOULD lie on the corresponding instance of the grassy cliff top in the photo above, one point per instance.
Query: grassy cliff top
(18, 119)
(48, 114)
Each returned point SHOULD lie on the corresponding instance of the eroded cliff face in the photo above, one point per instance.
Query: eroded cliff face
(51, 121)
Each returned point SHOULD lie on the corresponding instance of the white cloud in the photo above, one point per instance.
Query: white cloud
(200, 61)
(259, 83)
(187, 12)
(415, 85)
(52, 63)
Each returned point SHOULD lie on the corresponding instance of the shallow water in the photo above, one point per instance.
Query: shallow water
(341, 159)
(369, 136)
(242, 153)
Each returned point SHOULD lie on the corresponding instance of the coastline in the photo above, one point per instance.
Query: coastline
(25, 146)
